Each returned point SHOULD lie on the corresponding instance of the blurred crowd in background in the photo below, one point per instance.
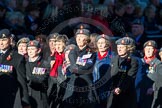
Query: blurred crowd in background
(28, 18)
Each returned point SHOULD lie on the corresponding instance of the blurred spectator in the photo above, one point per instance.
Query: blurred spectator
(43, 44)
(92, 44)
(139, 12)
(11, 5)
(110, 4)
(150, 23)
(116, 21)
(129, 15)
(31, 19)
(157, 4)
(137, 33)
(23, 4)
(15, 22)
(2, 16)
(143, 3)
(100, 13)
(159, 21)
(52, 8)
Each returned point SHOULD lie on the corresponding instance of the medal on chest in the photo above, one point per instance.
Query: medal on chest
(6, 68)
(38, 71)
(151, 69)
(82, 60)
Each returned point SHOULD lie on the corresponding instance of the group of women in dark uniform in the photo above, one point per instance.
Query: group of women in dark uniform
(77, 76)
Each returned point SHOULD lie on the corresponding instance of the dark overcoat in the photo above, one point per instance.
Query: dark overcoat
(79, 90)
(12, 80)
(123, 72)
(157, 78)
(38, 83)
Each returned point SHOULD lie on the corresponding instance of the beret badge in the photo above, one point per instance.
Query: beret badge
(3, 35)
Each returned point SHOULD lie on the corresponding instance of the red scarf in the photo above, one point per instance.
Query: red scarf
(101, 57)
(148, 60)
(58, 61)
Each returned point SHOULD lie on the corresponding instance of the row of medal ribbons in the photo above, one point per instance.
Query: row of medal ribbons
(6, 68)
(39, 71)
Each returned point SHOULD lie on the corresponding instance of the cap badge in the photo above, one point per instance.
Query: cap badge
(81, 31)
(31, 43)
(3, 35)
(149, 43)
(103, 35)
(81, 27)
(122, 42)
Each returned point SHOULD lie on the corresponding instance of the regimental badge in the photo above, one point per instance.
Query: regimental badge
(38, 71)
(31, 43)
(149, 43)
(6, 68)
(122, 41)
(3, 36)
(103, 36)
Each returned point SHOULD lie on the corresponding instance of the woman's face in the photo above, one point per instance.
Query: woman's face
(101, 44)
(4, 43)
(25, 3)
(149, 51)
(60, 46)
(92, 43)
(129, 8)
(81, 40)
(33, 51)
(122, 50)
(22, 48)
(52, 44)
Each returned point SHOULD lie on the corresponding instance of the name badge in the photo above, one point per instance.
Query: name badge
(38, 71)
(6, 68)
(86, 56)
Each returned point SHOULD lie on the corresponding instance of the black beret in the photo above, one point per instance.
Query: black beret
(83, 31)
(23, 40)
(125, 41)
(150, 43)
(82, 25)
(5, 33)
(52, 36)
(103, 36)
(34, 43)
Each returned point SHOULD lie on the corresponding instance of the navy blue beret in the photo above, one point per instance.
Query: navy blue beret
(103, 36)
(5, 33)
(34, 43)
(125, 41)
(150, 43)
